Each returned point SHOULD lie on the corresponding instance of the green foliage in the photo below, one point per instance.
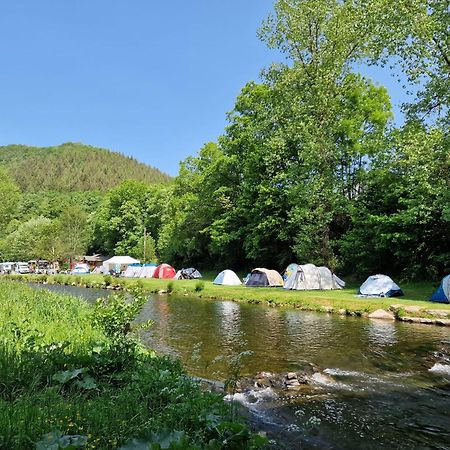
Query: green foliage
(126, 222)
(73, 167)
(199, 286)
(10, 195)
(61, 387)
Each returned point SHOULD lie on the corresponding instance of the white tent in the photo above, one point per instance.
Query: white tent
(227, 278)
(118, 263)
(379, 286)
(133, 271)
(309, 277)
(148, 270)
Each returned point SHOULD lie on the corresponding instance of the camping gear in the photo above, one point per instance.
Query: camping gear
(261, 277)
(379, 286)
(227, 278)
(188, 274)
(164, 271)
(442, 293)
(118, 264)
(309, 277)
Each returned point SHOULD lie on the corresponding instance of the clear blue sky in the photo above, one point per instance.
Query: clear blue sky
(149, 79)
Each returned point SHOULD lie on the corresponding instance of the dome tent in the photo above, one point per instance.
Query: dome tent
(118, 263)
(261, 277)
(309, 277)
(133, 271)
(188, 274)
(164, 271)
(227, 278)
(380, 286)
(442, 293)
(148, 270)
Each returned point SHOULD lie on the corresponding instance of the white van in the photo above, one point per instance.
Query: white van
(7, 267)
(21, 267)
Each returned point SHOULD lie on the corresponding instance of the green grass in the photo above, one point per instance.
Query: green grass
(416, 294)
(62, 372)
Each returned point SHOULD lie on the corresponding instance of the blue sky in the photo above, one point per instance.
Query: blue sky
(153, 80)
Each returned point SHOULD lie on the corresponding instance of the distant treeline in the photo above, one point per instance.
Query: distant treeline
(311, 167)
(73, 167)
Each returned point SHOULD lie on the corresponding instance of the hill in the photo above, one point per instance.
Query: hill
(73, 167)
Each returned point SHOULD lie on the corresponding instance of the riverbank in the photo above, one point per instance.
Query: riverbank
(411, 307)
(74, 373)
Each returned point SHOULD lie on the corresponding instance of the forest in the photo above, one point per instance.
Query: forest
(311, 168)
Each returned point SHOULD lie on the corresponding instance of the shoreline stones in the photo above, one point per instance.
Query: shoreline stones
(382, 314)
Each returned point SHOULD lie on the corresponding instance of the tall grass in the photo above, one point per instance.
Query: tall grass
(65, 369)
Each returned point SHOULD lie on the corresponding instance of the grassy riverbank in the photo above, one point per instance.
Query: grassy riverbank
(72, 372)
(343, 301)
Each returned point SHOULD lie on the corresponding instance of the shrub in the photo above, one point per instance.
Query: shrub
(170, 286)
(199, 286)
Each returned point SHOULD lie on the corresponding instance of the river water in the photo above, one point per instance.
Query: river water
(378, 384)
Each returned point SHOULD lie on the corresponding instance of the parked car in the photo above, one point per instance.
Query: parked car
(21, 267)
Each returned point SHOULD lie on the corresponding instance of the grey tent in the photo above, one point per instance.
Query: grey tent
(380, 286)
(188, 274)
(309, 277)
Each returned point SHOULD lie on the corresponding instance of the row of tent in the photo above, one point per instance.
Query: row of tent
(164, 271)
(296, 277)
(310, 277)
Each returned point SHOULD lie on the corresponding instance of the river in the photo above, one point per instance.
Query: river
(379, 384)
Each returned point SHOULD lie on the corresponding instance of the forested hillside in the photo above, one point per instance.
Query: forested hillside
(73, 167)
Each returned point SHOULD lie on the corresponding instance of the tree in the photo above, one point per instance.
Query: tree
(31, 240)
(121, 224)
(74, 232)
(10, 198)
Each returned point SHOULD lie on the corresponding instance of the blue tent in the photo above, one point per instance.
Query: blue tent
(442, 293)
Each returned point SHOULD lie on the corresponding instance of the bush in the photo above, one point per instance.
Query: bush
(170, 287)
(199, 286)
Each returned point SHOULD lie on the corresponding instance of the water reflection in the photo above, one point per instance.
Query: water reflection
(382, 333)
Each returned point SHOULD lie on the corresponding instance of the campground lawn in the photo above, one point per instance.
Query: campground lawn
(343, 301)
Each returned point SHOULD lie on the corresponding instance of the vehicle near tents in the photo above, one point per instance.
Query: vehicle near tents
(304, 277)
(261, 277)
(442, 293)
(6, 267)
(80, 269)
(380, 286)
(118, 264)
(188, 274)
(21, 267)
(227, 278)
(164, 271)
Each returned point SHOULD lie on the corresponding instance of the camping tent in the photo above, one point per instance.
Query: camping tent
(442, 293)
(380, 286)
(164, 271)
(188, 274)
(118, 263)
(309, 277)
(133, 271)
(227, 278)
(148, 270)
(261, 277)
